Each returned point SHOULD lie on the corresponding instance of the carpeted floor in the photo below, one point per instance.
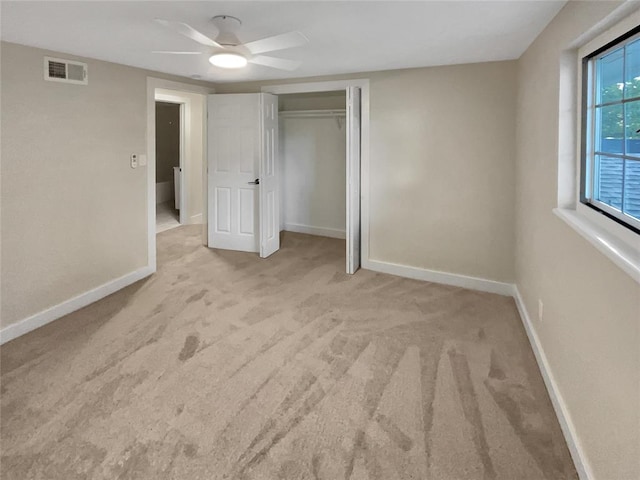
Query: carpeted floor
(226, 366)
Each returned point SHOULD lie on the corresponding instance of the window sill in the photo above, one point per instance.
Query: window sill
(625, 256)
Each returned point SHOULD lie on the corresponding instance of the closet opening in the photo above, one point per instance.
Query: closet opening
(312, 161)
(286, 161)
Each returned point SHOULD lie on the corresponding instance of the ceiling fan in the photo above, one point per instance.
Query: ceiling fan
(227, 51)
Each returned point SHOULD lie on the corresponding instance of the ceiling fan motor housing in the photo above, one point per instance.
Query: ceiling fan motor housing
(227, 28)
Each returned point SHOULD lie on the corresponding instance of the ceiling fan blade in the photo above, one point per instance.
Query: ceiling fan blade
(279, 42)
(279, 63)
(189, 32)
(177, 53)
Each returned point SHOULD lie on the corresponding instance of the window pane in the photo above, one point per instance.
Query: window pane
(609, 129)
(632, 126)
(610, 77)
(608, 181)
(632, 65)
(632, 188)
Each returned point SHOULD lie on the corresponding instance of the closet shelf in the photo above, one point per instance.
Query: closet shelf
(312, 113)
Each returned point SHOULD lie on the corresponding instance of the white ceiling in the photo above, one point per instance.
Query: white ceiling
(344, 37)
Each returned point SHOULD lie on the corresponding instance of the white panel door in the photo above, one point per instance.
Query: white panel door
(234, 149)
(353, 179)
(269, 177)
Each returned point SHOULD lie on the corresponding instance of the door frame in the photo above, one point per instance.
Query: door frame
(185, 115)
(342, 85)
(153, 84)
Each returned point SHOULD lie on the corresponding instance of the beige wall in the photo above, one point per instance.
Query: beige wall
(167, 140)
(74, 213)
(442, 167)
(590, 329)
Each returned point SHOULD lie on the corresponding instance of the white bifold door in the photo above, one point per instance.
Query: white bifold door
(242, 169)
(353, 179)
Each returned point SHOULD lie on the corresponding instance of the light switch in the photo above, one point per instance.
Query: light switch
(134, 160)
(142, 160)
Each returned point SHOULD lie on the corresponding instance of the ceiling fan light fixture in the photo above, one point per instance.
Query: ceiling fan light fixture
(228, 60)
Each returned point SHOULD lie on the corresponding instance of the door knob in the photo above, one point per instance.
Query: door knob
(255, 182)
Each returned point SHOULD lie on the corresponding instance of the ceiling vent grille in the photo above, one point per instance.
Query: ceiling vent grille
(67, 71)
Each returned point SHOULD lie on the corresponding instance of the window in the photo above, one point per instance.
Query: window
(610, 173)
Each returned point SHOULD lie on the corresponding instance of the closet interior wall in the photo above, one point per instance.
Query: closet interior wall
(313, 163)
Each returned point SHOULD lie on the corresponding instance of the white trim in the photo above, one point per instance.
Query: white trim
(310, 87)
(68, 306)
(337, 85)
(622, 20)
(559, 405)
(195, 219)
(621, 253)
(152, 84)
(464, 281)
(320, 231)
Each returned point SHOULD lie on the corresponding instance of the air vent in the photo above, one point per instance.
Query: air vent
(68, 71)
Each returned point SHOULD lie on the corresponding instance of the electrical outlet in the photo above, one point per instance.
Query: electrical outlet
(540, 310)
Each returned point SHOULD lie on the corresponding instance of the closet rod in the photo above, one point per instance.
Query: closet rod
(312, 113)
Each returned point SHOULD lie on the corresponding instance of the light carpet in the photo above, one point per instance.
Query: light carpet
(226, 366)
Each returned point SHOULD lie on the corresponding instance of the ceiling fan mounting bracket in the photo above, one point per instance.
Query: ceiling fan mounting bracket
(227, 26)
(226, 22)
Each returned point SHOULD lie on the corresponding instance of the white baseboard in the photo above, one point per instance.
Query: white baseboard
(195, 219)
(560, 407)
(53, 313)
(454, 279)
(164, 192)
(320, 231)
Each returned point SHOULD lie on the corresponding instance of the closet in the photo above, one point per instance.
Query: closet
(284, 162)
(312, 163)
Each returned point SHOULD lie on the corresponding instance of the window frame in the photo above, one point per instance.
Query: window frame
(588, 93)
(614, 241)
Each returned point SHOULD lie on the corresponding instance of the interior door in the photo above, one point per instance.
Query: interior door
(269, 181)
(353, 179)
(233, 156)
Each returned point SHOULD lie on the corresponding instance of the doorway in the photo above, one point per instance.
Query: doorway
(312, 163)
(357, 123)
(193, 191)
(169, 150)
(181, 165)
